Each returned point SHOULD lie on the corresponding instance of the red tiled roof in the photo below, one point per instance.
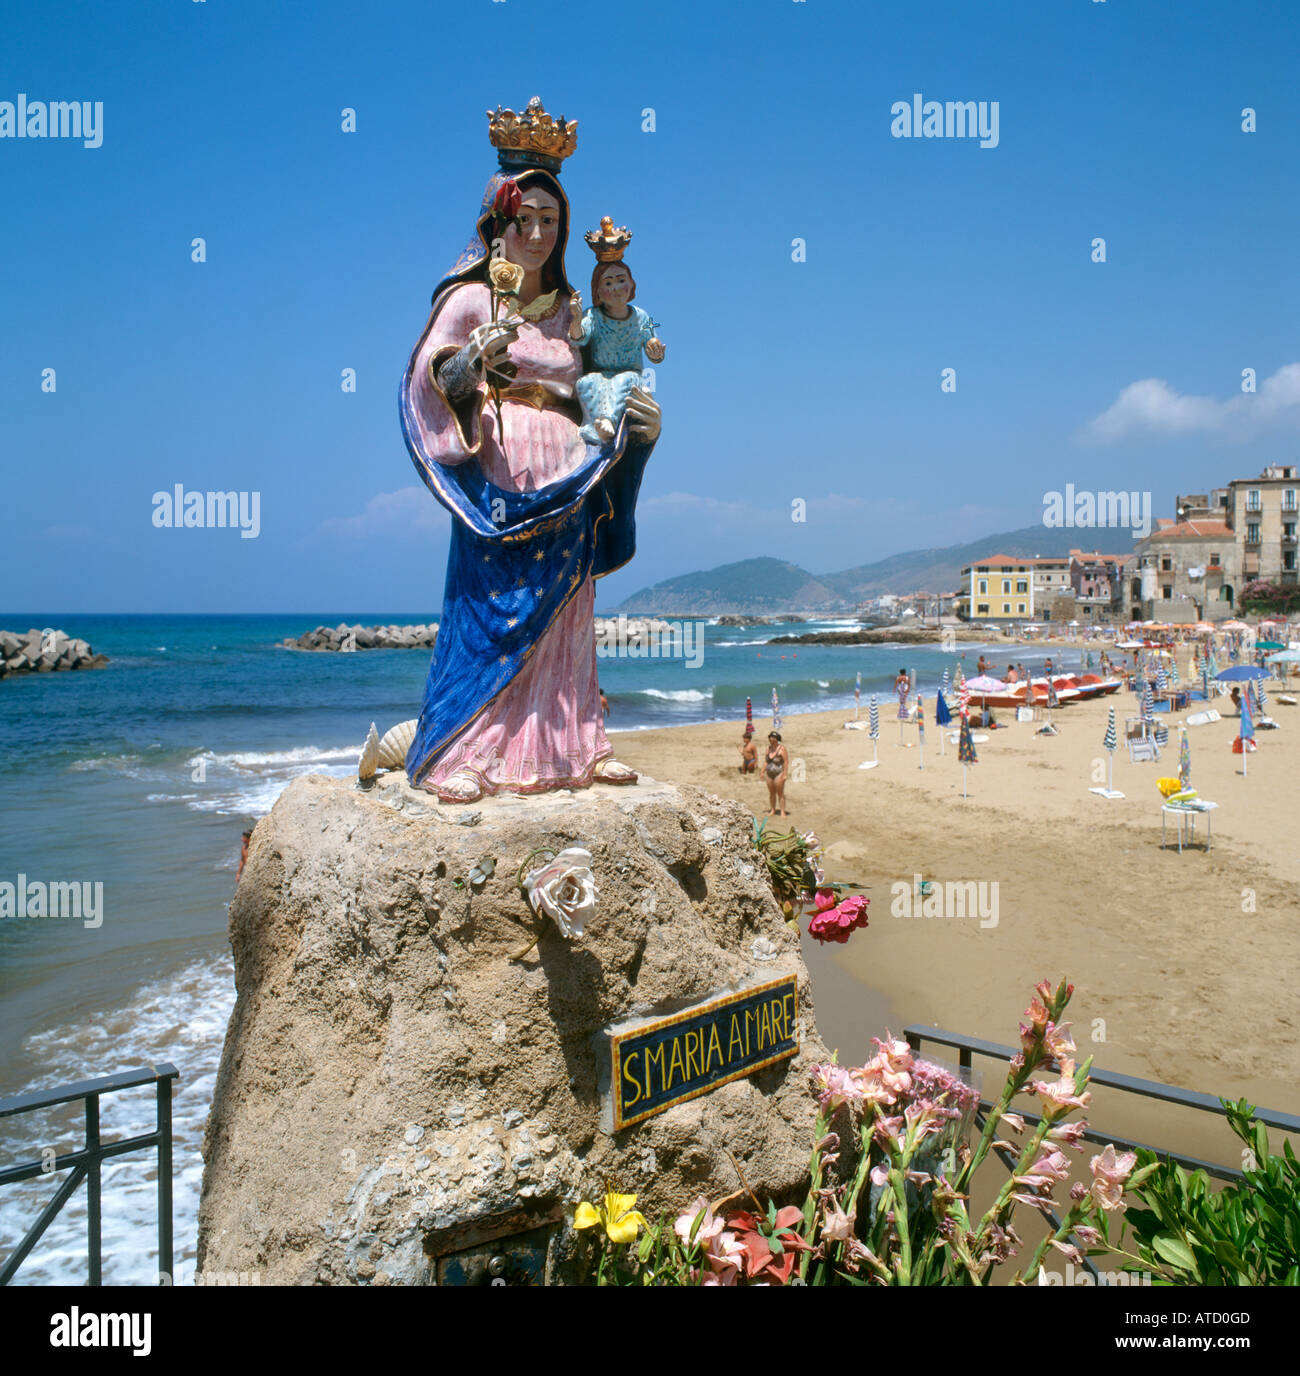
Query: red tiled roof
(1196, 530)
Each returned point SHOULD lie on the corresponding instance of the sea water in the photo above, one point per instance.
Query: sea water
(142, 775)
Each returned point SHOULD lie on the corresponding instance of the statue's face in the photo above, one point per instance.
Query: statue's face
(531, 242)
(615, 287)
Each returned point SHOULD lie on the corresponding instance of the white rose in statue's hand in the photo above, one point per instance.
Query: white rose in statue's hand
(564, 889)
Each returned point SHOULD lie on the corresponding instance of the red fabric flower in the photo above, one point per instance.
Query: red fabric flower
(761, 1263)
(836, 924)
(508, 199)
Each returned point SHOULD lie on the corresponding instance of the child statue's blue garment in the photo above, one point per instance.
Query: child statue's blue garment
(615, 348)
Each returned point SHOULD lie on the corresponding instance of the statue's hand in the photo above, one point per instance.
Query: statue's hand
(654, 350)
(488, 347)
(575, 316)
(644, 416)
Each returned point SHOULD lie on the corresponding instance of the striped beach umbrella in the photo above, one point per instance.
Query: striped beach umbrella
(942, 718)
(1184, 759)
(1148, 708)
(920, 730)
(749, 714)
(1261, 697)
(1173, 673)
(857, 694)
(1109, 742)
(776, 711)
(1161, 735)
(873, 727)
(965, 751)
(943, 687)
(1162, 681)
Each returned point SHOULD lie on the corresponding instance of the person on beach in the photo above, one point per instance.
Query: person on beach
(982, 666)
(1236, 698)
(604, 703)
(1049, 666)
(748, 753)
(1011, 673)
(243, 854)
(775, 768)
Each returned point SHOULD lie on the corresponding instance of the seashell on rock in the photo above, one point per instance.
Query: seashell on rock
(369, 755)
(396, 742)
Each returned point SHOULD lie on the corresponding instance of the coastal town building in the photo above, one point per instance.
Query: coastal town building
(1263, 513)
(1186, 571)
(998, 589)
(1098, 583)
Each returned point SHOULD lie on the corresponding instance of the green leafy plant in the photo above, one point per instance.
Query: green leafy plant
(1247, 1233)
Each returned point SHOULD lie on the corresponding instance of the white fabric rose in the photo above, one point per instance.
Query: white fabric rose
(564, 889)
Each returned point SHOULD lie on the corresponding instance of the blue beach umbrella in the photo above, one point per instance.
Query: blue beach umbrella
(942, 717)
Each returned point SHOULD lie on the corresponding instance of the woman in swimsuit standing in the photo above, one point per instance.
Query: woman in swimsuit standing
(775, 768)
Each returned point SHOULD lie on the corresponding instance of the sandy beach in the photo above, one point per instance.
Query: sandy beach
(1184, 964)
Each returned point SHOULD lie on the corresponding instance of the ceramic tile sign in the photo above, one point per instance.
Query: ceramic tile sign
(657, 1062)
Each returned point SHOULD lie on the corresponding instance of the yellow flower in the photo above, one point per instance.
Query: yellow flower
(620, 1220)
(506, 278)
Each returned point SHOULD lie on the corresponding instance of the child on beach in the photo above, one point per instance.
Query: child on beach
(748, 753)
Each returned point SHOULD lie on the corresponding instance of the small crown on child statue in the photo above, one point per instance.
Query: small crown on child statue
(532, 139)
(608, 243)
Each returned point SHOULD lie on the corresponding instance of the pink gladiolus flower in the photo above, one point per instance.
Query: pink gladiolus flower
(1059, 1041)
(1058, 1096)
(1035, 1201)
(838, 1084)
(725, 1255)
(1071, 1134)
(1070, 1251)
(1050, 1168)
(1014, 1121)
(1090, 1237)
(880, 1174)
(710, 1225)
(837, 1226)
(1110, 1171)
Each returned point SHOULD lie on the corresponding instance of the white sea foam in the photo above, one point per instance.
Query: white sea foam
(731, 644)
(303, 754)
(181, 1019)
(677, 694)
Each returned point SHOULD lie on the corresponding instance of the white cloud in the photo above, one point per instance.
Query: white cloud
(1153, 407)
(408, 511)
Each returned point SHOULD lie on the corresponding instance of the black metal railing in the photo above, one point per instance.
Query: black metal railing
(85, 1164)
(969, 1047)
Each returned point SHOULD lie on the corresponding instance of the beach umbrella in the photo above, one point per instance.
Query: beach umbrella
(903, 690)
(749, 714)
(1162, 681)
(942, 717)
(873, 726)
(1109, 742)
(1148, 708)
(1161, 735)
(965, 752)
(776, 711)
(920, 730)
(1240, 673)
(1173, 672)
(857, 694)
(943, 687)
(1184, 758)
(1261, 698)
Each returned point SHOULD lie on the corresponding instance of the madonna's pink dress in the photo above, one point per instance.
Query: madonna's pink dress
(544, 730)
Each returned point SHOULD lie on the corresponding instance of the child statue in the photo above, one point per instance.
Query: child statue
(616, 331)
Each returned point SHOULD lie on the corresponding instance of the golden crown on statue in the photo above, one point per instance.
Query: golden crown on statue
(533, 138)
(608, 243)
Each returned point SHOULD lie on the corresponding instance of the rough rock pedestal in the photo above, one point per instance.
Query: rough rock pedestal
(399, 1097)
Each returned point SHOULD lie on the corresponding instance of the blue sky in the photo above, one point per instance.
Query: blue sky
(816, 380)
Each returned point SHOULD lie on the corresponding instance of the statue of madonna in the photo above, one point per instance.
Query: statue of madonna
(491, 421)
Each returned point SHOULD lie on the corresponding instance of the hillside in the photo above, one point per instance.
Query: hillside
(939, 570)
(763, 586)
(753, 586)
